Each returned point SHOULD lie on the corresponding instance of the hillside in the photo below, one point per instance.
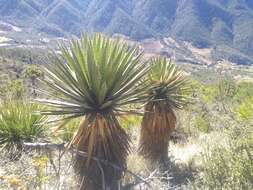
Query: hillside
(211, 148)
(224, 25)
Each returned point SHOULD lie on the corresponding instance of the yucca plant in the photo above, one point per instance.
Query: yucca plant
(167, 91)
(18, 124)
(96, 79)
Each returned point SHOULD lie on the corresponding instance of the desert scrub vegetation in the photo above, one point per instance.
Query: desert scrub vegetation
(37, 169)
(66, 132)
(19, 79)
(19, 124)
(222, 130)
(228, 164)
(206, 151)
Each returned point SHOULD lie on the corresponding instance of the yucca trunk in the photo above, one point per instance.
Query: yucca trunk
(158, 122)
(102, 138)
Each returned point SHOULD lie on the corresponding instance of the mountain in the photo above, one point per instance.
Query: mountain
(224, 25)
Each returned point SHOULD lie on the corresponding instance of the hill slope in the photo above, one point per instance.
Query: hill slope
(222, 24)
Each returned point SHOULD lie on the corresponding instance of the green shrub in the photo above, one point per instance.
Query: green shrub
(15, 89)
(244, 100)
(230, 165)
(208, 93)
(18, 124)
(226, 90)
(33, 72)
(245, 110)
(202, 124)
(67, 132)
(130, 121)
(244, 90)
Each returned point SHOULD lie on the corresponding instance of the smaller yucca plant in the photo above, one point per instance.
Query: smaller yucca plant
(18, 124)
(168, 91)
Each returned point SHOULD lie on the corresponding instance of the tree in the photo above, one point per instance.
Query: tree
(33, 73)
(96, 79)
(168, 89)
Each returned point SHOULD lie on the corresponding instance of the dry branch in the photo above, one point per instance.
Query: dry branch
(53, 146)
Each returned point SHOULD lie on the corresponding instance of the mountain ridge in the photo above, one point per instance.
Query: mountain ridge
(204, 23)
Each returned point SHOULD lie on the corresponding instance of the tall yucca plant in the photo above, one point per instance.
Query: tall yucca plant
(97, 78)
(168, 89)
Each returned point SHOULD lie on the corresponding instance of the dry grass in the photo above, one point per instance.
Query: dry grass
(37, 170)
(43, 170)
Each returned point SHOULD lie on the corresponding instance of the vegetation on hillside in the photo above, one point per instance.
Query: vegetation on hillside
(211, 147)
(228, 164)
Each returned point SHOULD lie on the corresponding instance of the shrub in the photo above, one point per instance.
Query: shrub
(18, 123)
(130, 121)
(202, 123)
(229, 165)
(208, 93)
(15, 89)
(245, 110)
(67, 132)
(245, 89)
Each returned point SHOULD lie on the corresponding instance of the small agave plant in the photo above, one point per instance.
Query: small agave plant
(97, 78)
(168, 91)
